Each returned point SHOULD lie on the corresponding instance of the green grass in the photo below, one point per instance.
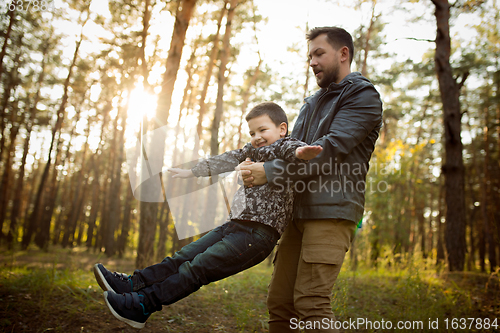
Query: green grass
(243, 297)
(52, 299)
(45, 292)
(415, 296)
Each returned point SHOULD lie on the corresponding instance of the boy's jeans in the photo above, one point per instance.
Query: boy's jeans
(224, 251)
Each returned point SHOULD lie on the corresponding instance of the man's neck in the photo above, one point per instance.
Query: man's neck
(343, 74)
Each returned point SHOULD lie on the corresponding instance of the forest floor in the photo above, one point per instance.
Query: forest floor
(57, 292)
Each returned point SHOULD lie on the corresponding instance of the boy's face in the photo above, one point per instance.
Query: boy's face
(264, 132)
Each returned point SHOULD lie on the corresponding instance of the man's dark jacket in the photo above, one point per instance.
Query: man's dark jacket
(345, 120)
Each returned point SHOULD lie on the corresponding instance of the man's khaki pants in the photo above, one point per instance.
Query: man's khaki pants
(307, 263)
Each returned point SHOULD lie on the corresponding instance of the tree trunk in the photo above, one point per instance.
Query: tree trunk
(49, 200)
(72, 191)
(91, 238)
(486, 205)
(415, 202)
(115, 186)
(419, 211)
(308, 70)
(475, 225)
(144, 34)
(33, 220)
(31, 182)
(208, 76)
(440, 255)
(77, 211)
(496, 166)
(221, 79)
(366, 50)
(7, 172)
(18, 190)
(164, 221)
(149, 210)
(246, 97)
(34, 217)
(12, 83)
(107, 160)
(189, 202)
(11, 15)
(97, 192)
(430, 225)
(453, 167)
(398, 227)
(122, 241)
(5, 100)
(127, 210)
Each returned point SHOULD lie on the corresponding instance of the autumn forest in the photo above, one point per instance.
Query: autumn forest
(81, 87)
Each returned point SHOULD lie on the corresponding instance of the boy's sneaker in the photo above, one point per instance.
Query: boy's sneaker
(112, 281)
(129, 308)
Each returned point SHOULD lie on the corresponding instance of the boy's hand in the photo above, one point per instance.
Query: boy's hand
(308, 152)
(181, 173)
(252, 173)
(248, 161)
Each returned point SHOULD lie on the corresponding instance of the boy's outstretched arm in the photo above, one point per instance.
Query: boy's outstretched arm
(181, 173)
(308, 152)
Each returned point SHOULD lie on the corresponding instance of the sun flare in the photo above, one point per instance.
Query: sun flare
(141, 104)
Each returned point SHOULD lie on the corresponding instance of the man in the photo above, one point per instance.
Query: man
(344, 117)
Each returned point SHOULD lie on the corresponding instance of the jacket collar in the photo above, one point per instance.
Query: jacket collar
(351, 78)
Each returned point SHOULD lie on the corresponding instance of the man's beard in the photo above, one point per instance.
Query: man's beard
(330, 75)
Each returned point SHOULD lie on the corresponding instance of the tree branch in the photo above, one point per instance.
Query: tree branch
(418, 39)
(462, 82)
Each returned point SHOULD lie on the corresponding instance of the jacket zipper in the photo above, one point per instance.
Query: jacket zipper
(340, 181)
(314, 113)
(319, 104)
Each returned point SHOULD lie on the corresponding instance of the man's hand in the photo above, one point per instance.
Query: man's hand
(252, 173)
(248, 161)
(181, 173)
(308, 152)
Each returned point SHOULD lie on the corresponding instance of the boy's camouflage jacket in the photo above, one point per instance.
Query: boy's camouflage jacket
(272, 206)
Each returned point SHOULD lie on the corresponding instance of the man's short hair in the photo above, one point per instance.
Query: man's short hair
(273, 110)
(337, 37)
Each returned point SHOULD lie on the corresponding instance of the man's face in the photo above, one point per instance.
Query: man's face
(324, 61)
(264, 132)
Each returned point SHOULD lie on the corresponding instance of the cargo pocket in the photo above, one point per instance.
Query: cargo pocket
(322, 254)
(318, 272)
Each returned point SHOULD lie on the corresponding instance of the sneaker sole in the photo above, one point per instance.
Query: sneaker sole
(101, 280)
(132, 323)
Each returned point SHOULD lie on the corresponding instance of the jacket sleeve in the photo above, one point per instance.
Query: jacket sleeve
(221, 163)
(355, 119)
(282, 149)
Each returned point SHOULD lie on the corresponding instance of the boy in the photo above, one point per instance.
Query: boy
(257, 219)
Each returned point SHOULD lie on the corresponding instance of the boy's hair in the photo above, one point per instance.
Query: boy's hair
(337, 38)
(273, 110)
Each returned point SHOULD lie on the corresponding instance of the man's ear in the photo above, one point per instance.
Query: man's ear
(344, 54)
(283, 129)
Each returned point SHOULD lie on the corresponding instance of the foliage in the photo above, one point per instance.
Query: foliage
(117, 76)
